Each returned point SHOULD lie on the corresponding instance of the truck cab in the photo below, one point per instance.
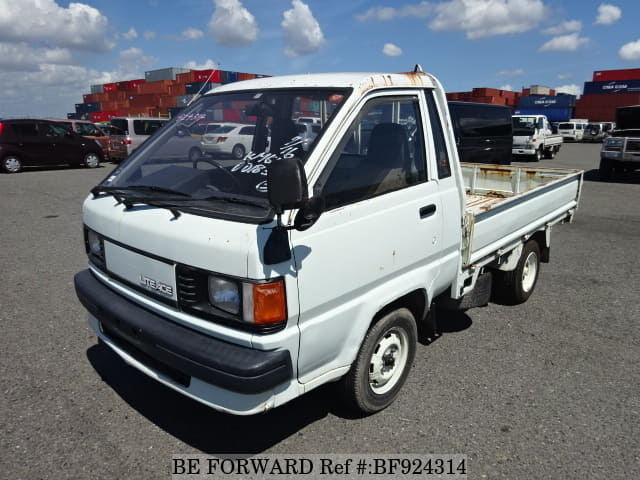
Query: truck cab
(533, 137)
(621, 148)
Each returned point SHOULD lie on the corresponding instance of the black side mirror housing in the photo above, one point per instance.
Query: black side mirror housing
(287, 184)
(309, 213)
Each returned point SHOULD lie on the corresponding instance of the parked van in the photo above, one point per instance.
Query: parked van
(571, 131)
(87, 129)
(484, 132)
(27, 142)
(135, 130)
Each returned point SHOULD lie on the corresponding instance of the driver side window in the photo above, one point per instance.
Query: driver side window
(382, 152)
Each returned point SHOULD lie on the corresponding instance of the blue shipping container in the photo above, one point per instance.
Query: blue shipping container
(619, 86)
(539, 101)
(87, 107)
(552, 114)
(193, 88)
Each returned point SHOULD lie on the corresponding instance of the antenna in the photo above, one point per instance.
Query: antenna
(418, 68)
(197, 95)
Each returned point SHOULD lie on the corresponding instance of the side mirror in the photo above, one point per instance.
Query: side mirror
(286, 184)
(309, 213)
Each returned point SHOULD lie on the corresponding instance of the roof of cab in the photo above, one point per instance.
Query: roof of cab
(362, 82)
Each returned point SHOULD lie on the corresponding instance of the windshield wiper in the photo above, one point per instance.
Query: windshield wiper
(135, 188)
(234, 199)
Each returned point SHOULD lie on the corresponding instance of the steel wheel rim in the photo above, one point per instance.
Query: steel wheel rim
(12, 164)
(92, 160)
(529, 272)
(388, 360)
(238, 152)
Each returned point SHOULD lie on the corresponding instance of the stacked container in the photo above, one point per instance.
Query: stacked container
(609, 90)
(493, 96)
(557, 108)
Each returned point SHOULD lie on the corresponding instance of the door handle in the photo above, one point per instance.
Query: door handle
(427, 211)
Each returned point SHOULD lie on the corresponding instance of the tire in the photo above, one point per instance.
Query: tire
(238, 152)
(550, 153)
(382, 364)
(91, 160)
(515, 287)
(11, 164)
(195, 154)
(538, 155)
(606, 169)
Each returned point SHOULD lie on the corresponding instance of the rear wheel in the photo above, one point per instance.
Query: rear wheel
(606, 169)
(11, 164)
(383, 362)
(549, 153)
(515, 287)
(238, 152)
(91, 160)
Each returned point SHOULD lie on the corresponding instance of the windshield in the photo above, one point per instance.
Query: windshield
(524, 125)
(566, 126)
(221, 146)
(593, 127)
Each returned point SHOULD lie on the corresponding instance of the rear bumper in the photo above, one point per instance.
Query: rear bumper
(179, 352)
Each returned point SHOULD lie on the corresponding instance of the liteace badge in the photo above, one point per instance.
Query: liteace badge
(160, 287)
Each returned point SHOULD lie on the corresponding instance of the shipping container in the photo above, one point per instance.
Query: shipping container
(617, 100)
(183, 100)
(176, 90)
(618, 86)
(597, 114)
(73, 116)
(186, 77)
(160, 87)
(164, 74)
(144, 100)
(228, 77)
(207, 76)
(199, 87)
(539, 90)
(175, 111)
(614, 75)
(109, 87)
(166, 101)
(486, 92)
(103, 116)
(90, 97)
(97, 89)
(536, 101)
(552, 114)
(88, 107)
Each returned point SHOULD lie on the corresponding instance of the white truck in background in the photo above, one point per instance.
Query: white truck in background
(533, 137)
(245, 283)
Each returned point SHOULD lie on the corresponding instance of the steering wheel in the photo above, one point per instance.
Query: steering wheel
(211, 161)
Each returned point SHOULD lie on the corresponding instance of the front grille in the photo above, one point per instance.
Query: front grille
(189, 284)
(633, 145)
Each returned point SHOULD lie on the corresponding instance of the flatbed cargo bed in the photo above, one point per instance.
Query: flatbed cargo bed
(505, 203)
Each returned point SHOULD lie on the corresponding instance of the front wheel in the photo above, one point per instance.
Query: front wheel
(91, 160)
(11, 164)
(383, 362)
(538, 155)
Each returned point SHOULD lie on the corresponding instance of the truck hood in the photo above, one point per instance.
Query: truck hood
(216, 245)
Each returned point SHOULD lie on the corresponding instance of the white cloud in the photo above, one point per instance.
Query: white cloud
(484, 18)
(131, 34)
(572, 89)
(506, 87)
(630, 51)
(564, 43)
(302, 32)
(564, 27)
(78, 27)
(563, 76)
(391, 50)
(232, 25)
(422, 10)
(608, 14)
(518, 71)
(133, 62)
(191, 34)
(207, 65)
(148, 35)
(21, 57)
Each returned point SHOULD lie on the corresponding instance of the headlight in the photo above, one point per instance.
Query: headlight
(94, 244)
(225, 294)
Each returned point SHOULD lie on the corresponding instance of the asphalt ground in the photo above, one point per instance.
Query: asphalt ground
(546, 390)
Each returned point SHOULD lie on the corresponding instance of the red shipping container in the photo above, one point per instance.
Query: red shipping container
(145, 100)
(611, 99)
(186, 77)
(133, 84)
(167, 102)
(122, 86)
(486, 92)
(116, 96)
(159, 87)
(203, 76)
(90, 97)
(177, 90)
(109, 87)
(614, 75)
(231, 115)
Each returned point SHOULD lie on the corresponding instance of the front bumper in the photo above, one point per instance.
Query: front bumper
(177, 351)
(528, 150)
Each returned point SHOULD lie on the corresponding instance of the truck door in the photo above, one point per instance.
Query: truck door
(379, 237)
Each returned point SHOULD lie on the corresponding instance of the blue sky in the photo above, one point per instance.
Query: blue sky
(51, 51)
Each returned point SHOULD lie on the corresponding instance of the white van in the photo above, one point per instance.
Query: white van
(135, 131)
(571, 131)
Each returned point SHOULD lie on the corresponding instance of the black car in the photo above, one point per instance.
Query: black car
(41, 142)
(484, 132)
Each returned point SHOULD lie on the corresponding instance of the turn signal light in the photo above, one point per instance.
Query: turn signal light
(269, 303)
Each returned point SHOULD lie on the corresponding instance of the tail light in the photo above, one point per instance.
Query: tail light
(127, 141)
(221, 139)
(1, 128)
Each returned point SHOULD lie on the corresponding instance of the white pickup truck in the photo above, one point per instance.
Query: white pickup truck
(533, 137)
(244, 284)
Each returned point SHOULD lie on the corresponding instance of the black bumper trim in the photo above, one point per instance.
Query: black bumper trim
(233, 367)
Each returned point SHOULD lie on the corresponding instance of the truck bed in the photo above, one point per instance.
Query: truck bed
(505, 203)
